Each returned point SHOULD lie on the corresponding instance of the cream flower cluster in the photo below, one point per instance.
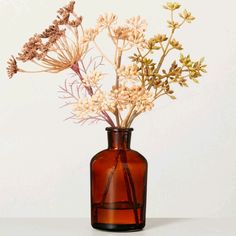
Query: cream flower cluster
(127, 97)
(123, 98)
(90, 35)
(137, 28)
(106, 20)
(91, 106)
(92, 79)
(132, 31)
(128, 74)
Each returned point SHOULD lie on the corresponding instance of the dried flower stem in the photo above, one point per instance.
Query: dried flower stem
(129, 184)
(128, 116)
(165, 51)
(102, 53)
(65, 45)
(107, 118)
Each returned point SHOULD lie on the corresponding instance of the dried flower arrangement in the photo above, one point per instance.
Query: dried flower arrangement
(65, 44)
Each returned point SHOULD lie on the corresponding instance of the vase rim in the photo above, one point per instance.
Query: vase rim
(116, 129)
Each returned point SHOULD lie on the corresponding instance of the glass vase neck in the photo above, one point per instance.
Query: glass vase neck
(119, 138)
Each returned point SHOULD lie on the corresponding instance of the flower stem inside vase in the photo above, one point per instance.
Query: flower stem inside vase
(118, 185)
(130, 188)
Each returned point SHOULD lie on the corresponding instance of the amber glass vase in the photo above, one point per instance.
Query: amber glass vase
(118, 185)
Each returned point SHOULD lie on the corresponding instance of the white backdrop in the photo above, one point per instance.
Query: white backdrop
(189, 143)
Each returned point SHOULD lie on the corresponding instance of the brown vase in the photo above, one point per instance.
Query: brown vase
(118, 185)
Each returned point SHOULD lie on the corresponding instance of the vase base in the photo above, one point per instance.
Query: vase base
(118, 227)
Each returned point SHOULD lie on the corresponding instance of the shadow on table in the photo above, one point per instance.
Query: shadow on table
(160, 222)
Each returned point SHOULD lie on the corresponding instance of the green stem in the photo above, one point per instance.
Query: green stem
(163, 55)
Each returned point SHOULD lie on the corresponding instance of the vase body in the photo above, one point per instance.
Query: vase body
(118, 185)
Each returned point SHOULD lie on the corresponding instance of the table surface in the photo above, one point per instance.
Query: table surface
(81, 227)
